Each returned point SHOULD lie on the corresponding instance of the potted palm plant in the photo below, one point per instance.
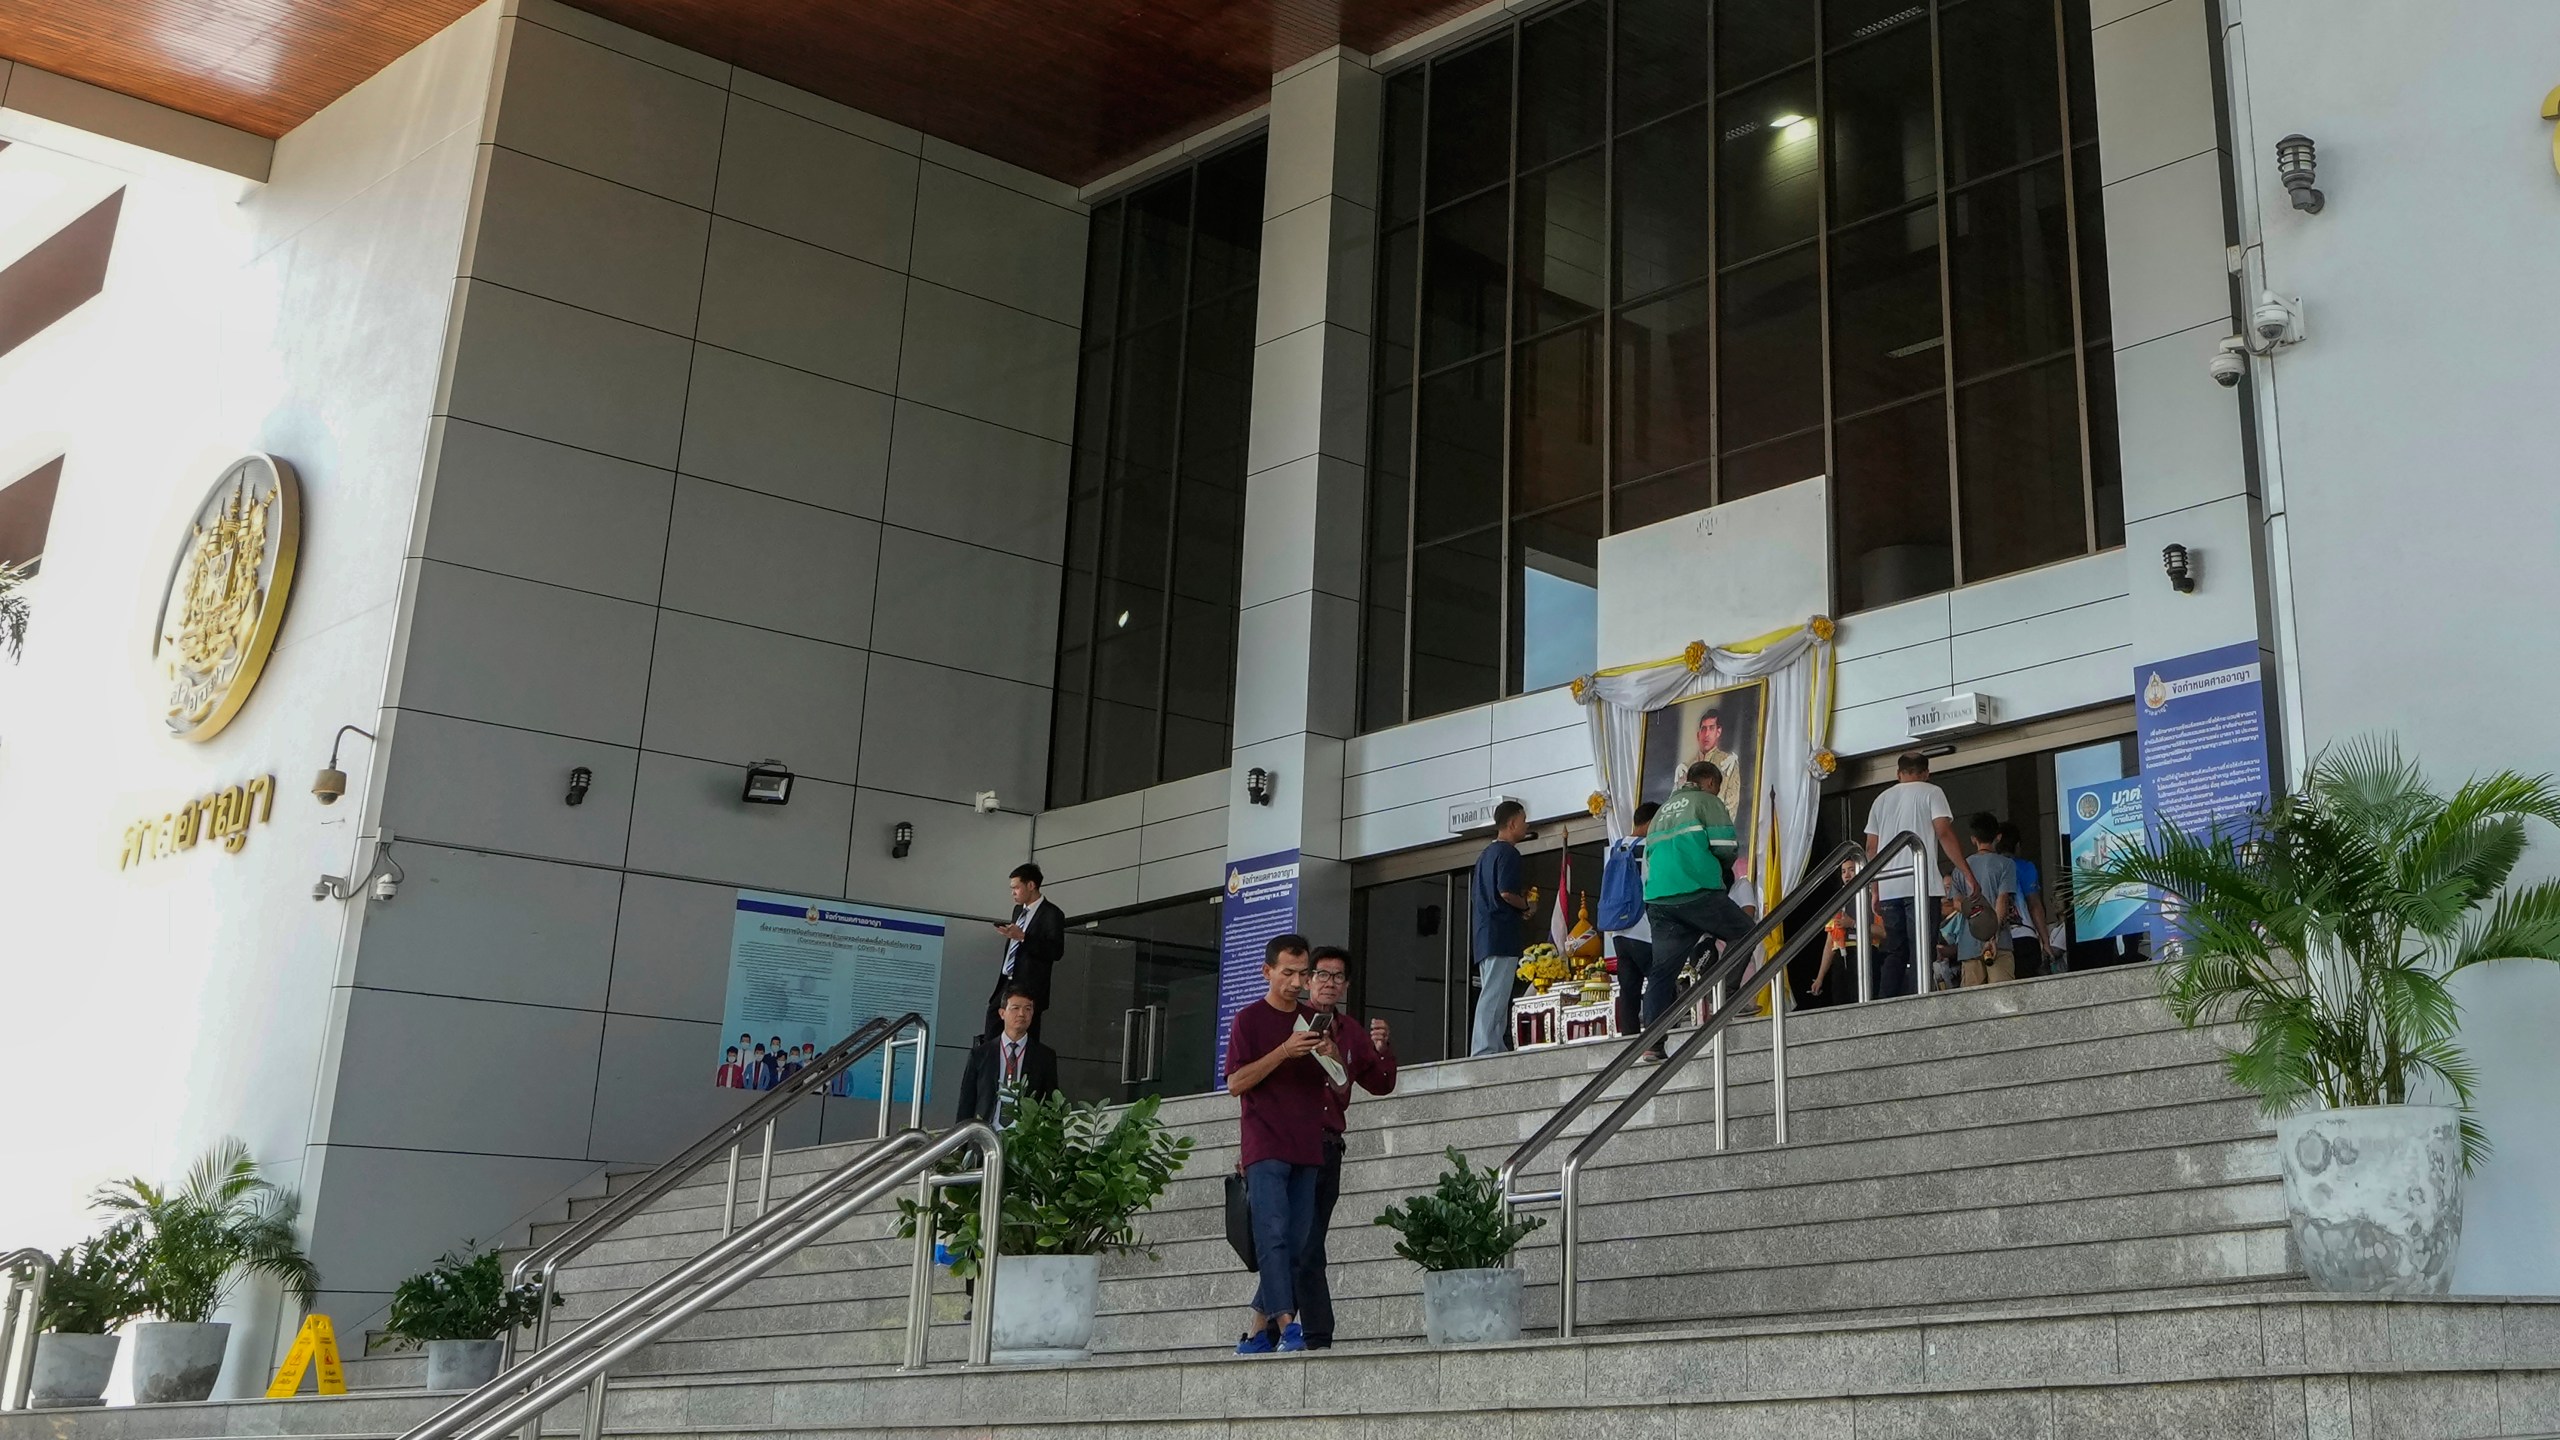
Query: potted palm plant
(2329, 928)
(1075, 1182)
(93, 1291)
(460, 1309)
(1462, 1237)
(199, 1240)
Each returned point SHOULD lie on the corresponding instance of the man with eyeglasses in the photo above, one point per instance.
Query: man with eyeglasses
(1273, 1072)
(1366, 1060)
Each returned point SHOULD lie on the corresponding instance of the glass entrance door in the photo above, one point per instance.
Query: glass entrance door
(1134, 1007)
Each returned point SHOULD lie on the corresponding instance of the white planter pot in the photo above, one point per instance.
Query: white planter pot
(2375, 1193)
(174, 1362)
(456, 1365)
(1471, 1307)
(1044, 1307)
(71, 1370)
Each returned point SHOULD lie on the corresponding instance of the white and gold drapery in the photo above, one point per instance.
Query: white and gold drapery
(1800, 667)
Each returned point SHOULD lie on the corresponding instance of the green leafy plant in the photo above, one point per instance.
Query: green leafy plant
(2330, 925)
(1461, 1224)
(464, 1296)
(1075, 1181)
(223, 1224)
(96, 1285)
(13, 609)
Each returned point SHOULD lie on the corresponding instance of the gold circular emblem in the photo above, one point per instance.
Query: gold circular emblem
(227, 592)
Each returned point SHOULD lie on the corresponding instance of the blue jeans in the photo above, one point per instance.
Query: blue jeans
(1284, 1215)
(1893, 961)
(1493, 1004)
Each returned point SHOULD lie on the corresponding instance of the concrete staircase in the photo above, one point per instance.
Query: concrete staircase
(2035, 1209)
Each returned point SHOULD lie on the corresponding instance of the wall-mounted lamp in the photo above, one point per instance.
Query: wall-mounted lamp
(1257, 786)
(2180, 566)
(768, 783)
(901, 840)
(2298, 161)
(579, 780)
(331, 782)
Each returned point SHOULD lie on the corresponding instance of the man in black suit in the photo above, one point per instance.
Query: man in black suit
(1011, 1057)
(1035, 939)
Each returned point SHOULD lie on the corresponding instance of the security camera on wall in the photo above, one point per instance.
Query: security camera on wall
(2230, 364)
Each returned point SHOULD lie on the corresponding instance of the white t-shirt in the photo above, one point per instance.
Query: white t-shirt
(1910, 805)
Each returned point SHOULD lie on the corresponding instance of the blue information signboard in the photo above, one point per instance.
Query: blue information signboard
(2107, 819)
(2200, 722)
(1261, 901)
(804, 972)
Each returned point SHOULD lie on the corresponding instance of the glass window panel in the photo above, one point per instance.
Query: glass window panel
(1128, 648)
(1217, 391)
(1067, 726)
(1846, 22)
(1888, 334)
(2018, 469)
(1563, 234)
(1149, 365)
(1465, 258)
(2089, 216)
(1663, 231)
(1555, 417)
(1470, 140)
(1663, 59)
(1457, 623)
(1123, 755)
(1884, 132)
(1194, 747)
(1226, 243)
(1759, 37)
(2002, 89)
(1661, 498)
(2077, 80)
(1563, 82)
(2106, 464)
(2009, 271)
(1157, 249)
(1766, 167)
(1400, 183)
(1102, 272)
(1555, 596)
(1399, 262)
(1382, 595)
(1890, 506)
(1200, 673)
(1663, 386)
(1770, 334)
(1766, 467)
(1458, 485)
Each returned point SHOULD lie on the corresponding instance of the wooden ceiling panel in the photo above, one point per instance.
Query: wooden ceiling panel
(1069, 88)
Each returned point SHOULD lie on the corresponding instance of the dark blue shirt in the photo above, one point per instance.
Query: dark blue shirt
(1497, 923)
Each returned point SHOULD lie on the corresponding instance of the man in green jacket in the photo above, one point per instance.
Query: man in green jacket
(1688, 870)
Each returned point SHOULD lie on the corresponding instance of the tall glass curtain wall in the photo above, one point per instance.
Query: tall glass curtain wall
(1644, 256)
(1146, 645)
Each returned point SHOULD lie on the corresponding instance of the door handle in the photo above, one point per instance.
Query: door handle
(1128, 1045)
(1155, 1042)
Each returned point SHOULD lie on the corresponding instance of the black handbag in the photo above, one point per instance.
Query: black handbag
(1240, 1222)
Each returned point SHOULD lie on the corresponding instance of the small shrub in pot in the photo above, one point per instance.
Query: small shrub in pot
(1463, 1237)
(460, 1309)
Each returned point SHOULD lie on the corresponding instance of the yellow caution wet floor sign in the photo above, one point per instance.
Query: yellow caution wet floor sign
(314, 1341)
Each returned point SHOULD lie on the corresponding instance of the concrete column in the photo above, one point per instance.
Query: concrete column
(1297, 659)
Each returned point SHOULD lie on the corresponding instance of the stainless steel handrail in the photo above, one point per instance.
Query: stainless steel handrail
(522, 1395)
(1703, 988)
(547, 1258)
(19, 1320)
(1751, 981)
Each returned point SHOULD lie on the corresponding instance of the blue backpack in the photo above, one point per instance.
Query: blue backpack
(1622, 886)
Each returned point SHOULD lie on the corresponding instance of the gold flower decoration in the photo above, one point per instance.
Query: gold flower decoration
(1824, 762)
(1599, 803)
(1580, 684)
(1824, 628)
(1695, 657)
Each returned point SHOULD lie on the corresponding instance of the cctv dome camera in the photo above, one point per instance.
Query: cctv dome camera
(2230, 364)
(329, 785)
(2272, 319)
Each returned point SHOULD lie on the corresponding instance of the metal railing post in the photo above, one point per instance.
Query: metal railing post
(915, 1097)
(21, 1312)
(889, 1084)
(764, 1171)
(1568, 1241)
(1776, 990)
(1865, 921)
(1715, 1002)
(729, 1197)
(1924, 921)
(982, 1316)
(920, 1275)
(593, 1426)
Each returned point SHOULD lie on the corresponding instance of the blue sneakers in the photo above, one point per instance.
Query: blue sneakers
(1259, 1343)
(1293, 1338)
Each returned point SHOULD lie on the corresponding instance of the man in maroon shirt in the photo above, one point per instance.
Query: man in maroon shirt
(1366, 1061)
(1272, 1071)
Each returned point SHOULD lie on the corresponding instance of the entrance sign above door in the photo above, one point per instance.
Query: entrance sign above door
(1466, 815)
(226, 595)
